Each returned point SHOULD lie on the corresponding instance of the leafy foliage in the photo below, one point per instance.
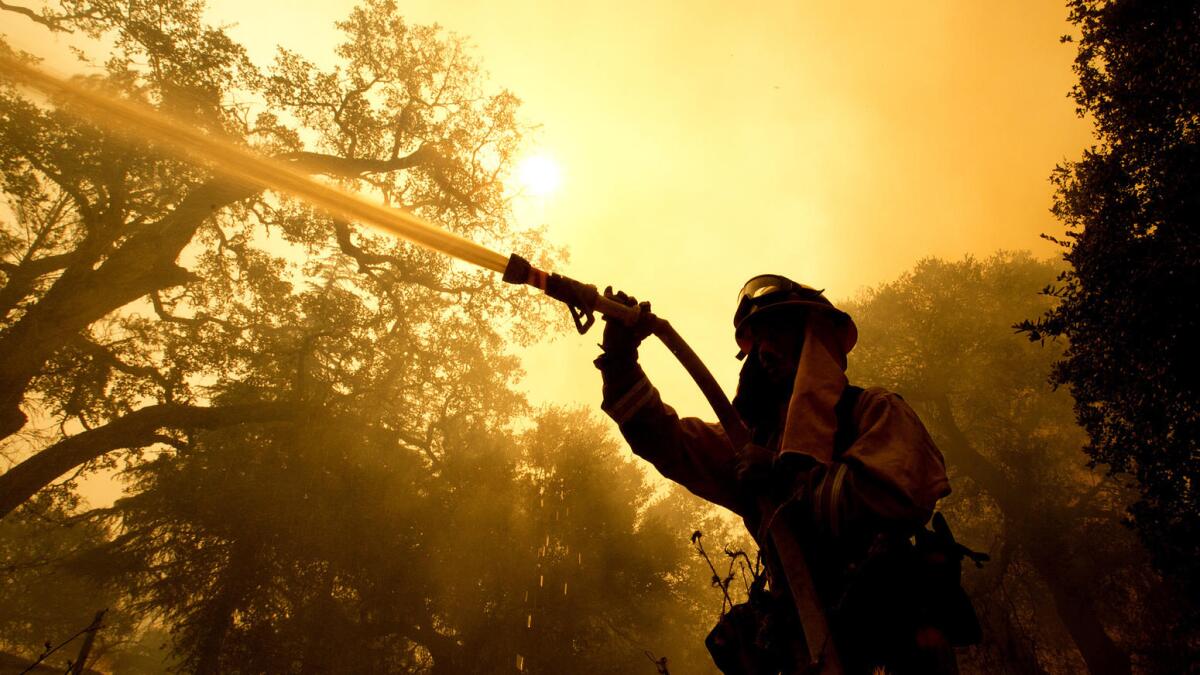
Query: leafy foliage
(133, 279)
(1065, 579)
(318, 425)
(1128, 302)
(47, 587)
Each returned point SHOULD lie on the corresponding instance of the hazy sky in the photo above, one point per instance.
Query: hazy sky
(702, 143)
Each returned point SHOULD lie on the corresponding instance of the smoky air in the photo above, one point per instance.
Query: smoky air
(407, 338)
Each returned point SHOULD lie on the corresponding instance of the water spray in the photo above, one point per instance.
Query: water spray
(583, 301)
(243, 164)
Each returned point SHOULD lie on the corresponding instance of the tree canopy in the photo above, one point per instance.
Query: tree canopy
(144, 297)
(329, 467)
(1128, 306)
(1068, 588)
(329, 463)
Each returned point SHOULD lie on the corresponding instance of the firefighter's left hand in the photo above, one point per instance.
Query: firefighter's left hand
(754, 466)
(620, 341)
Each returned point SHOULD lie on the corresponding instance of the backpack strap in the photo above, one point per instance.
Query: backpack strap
(847, 427)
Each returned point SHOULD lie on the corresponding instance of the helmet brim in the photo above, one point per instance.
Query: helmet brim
(847, 329)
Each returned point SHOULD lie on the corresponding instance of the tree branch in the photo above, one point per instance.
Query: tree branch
(106, 356)
(21, 278)
(982, 471)
(83, 294)
(344, 167)
(200, 319)
(134, 430)
(365, 260)
(37, 266)
(52, 24)
(54, 21)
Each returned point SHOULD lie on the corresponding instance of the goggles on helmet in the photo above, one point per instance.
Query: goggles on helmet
(767, 290)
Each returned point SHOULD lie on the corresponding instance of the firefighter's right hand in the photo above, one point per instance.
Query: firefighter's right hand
(621, 341)
(755, 467)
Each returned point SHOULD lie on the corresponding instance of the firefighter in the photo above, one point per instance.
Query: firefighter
(852, 471)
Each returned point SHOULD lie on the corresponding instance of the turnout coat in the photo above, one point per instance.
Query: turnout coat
(873, 482)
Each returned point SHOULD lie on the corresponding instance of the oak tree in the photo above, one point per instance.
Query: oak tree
(1128, 306)
(1065, 577)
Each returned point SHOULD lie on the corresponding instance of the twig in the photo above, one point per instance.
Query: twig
(660, 664)
(716, 578)
(45, 655)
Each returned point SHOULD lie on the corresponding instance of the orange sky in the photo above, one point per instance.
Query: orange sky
(702, 143)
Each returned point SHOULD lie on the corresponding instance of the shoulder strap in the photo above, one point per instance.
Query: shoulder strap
(847, 428)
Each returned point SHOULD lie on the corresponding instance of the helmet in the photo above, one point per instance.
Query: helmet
(770, 293)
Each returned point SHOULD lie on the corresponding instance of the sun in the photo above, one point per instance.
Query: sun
(539, 174)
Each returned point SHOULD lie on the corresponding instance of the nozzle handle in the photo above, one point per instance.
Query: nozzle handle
(612, 309)
(583, 300)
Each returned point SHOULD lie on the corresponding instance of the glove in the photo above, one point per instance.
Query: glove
(791, 466)
(754, 468)
(620, 342)
(761, 471)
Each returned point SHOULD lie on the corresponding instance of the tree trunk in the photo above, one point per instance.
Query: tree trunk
(322, 615)
(83, 295)
(1073, 605)
(1017, 652)
(1078, 613)
(145, 262)
(446, 652)
(219, 616)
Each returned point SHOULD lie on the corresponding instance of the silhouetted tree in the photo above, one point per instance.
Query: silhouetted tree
(329, 549)
(152, 310)
(1066, 583)
(1129, 302)
(135, 285)
(47, 588)
(316, 421)
(614, 575)
(324, 548)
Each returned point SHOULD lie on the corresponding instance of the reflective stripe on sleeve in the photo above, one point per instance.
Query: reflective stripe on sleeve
(638, 396)
(827, 499)
(835, 500)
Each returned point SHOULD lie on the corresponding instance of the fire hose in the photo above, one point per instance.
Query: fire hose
(583, 300)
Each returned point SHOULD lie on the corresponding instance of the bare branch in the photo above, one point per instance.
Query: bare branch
(21, 278)
(422, 445)
(86, 209)
(401, 272)
(134, 430)
(198, 320)
(52, 21)
(365, 260)
(106, 356)
(345, 167)
(53, 24)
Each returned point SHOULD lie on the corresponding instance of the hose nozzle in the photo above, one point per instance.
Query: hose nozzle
(583, 300)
